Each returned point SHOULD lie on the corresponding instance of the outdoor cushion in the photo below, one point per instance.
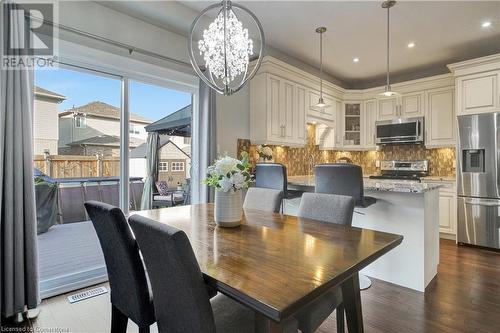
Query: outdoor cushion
(162, 187)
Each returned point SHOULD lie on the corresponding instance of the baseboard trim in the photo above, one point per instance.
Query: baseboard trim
(448, 236)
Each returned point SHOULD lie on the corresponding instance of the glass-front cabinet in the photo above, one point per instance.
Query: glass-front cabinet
(352, 125)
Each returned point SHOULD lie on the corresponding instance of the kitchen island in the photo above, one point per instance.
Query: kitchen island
(409, 209)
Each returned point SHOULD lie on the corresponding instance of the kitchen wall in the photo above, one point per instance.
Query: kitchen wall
(300, 161)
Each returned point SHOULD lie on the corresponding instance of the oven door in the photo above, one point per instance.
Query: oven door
(400, 131)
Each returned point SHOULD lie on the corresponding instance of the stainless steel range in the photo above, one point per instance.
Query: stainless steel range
(403, 170)
(478, 185)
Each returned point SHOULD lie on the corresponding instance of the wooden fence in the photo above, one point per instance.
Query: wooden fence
(67, 166)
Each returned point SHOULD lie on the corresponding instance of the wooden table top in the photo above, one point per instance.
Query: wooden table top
(275, 263)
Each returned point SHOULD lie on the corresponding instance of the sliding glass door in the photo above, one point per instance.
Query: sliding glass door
(90, 143)
(157, 110)
(77, 138)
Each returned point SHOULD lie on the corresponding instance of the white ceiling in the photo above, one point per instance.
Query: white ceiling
(444, 32)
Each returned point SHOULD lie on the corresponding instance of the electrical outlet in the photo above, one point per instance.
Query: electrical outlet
(377, 163)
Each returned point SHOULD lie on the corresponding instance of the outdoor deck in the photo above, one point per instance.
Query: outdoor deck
(70, 257)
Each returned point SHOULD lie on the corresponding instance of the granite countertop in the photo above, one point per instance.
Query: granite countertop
(374, 185)
(439, 179)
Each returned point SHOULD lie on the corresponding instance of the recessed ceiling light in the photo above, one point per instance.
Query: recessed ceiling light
(411, 45)
(355, 60)
(486, 24)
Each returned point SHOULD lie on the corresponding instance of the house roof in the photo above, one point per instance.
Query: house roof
(47, 93)
(103, 110)
(106, 140)
(142, 150)
(175, 124)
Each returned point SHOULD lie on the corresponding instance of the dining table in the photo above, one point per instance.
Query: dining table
(279, 264)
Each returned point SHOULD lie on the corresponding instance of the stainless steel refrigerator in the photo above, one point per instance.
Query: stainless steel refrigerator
(478, 185)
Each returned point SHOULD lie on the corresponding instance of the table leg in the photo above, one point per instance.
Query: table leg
(352, 303)
(265, 325)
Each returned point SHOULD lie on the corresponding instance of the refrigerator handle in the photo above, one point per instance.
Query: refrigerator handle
(481, 202)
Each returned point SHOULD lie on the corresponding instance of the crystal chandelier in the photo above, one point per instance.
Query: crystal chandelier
(226, 49)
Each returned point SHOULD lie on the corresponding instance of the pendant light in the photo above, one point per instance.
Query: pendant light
(388, 90)
(225, 47)
(321, 103)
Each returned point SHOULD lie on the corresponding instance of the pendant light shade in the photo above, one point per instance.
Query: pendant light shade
(321, 103)
(388, 92)
(225, 48)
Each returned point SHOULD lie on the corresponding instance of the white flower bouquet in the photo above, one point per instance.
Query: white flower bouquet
(229, 174)
(265, 152)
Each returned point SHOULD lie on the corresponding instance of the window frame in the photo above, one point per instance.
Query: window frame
(164, 163)
(179, 163)
(80, 121)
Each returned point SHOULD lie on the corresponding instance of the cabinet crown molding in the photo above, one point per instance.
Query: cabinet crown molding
(491, 62)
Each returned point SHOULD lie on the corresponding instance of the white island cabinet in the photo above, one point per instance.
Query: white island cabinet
(413, 212)
(407, 209)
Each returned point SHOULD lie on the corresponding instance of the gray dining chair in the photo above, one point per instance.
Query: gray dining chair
(274, 176)
(181, 301)
(343, 179)
(263, 199)
(332, 209)
(130, 296)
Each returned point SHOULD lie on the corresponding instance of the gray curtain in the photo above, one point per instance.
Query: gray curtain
(204, 143)
(152, 170)
(18, 241)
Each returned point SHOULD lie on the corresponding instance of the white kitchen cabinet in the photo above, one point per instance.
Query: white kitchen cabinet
(478, 93)
(447, 207)
(277, 111)
(299, 125)
(338, 124)
(352, 125)
(447, 212)
(370, 116)
(328, 112)
(388, 108)
(440, 121)
(407, 105)
(412, 105)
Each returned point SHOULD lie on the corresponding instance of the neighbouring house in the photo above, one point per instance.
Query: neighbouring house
(174, 162)
(45, 128)
(94, 128)
(104, 145)
(174, 154)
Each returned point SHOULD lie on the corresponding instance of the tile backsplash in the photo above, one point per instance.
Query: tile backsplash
(300, 161)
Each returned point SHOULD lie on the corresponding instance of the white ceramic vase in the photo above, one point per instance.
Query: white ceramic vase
(228, 208)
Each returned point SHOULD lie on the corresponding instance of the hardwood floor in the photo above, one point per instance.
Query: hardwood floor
(465, 297)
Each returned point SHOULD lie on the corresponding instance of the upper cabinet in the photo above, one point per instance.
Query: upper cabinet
(283, 99)
(388, 108)
(478, 93)
(440, 121)
(407, 105)
(412, 104)
(352, 120)
(370, 117)
(477, 85)
(278, 111)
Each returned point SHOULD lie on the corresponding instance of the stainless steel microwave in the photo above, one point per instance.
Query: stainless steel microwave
(400, 131)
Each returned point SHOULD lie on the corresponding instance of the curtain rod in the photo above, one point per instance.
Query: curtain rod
(128, 47)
